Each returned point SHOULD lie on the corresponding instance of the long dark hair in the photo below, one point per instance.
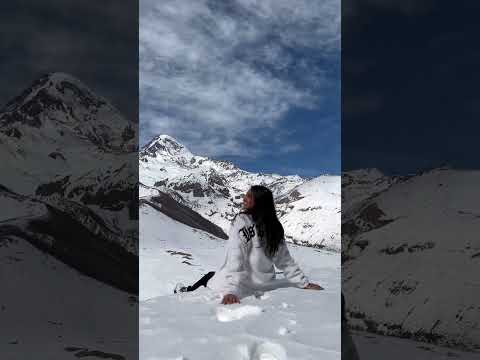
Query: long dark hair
(265, 218)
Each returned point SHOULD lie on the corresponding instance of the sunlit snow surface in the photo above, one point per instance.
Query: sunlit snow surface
(287, 323)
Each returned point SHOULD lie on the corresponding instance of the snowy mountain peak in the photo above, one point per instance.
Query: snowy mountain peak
(51, 90)
(59, 103)
(166, 145)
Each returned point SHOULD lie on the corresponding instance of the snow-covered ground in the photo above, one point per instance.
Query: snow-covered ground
(287, 323)
(50, 311)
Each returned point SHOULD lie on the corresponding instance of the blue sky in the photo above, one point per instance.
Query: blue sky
(254, 82)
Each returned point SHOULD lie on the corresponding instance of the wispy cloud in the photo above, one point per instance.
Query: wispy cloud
(214, 74)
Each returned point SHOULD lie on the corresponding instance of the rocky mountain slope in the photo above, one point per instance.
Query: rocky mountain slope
(308, 208)
(411, 254)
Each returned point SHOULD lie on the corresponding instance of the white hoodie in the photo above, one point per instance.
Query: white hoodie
(247, 270)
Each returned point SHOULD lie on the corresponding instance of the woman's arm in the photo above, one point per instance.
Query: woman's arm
(284, 261)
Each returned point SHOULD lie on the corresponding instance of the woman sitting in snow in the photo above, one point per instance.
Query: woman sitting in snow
(256, 243)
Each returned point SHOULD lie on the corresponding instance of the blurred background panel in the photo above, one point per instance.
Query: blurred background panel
(69, 179)
(410, 170)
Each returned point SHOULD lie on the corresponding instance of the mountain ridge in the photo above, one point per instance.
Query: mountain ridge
(215, 188)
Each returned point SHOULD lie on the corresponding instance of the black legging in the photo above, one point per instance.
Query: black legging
(202, 282)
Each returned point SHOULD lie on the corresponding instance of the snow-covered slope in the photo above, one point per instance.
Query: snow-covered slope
(287, 323)
(51, 311)
(215, 189)
(311, 213)
(166, 252)
(412, 257)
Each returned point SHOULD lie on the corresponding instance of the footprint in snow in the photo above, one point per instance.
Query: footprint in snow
(260, 351)
(231, 313)
(269, 351)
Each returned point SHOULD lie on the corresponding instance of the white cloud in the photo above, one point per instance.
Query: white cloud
(213, 74)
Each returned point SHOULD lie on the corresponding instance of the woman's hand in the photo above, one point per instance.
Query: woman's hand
(313, 286)
(230, 299)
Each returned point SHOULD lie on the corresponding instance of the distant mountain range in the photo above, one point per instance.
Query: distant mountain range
(309, 209)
